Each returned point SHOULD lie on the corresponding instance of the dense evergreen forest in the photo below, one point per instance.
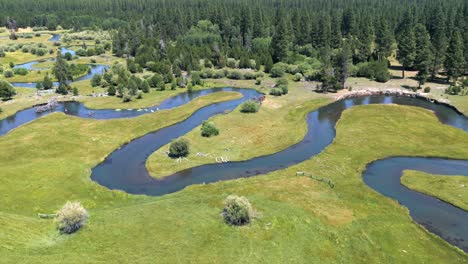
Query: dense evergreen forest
(325, 39)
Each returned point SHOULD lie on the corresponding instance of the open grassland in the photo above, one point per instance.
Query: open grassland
(47, 162)
(278, 124)
(452, 189)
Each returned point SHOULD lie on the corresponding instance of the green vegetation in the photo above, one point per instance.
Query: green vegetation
(6, 90)
(179, 148)
(208, 129)
(452, 189)
(250, 106)
(71, 217)
(237, 210)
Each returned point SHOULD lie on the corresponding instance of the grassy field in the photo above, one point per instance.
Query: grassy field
(302, 220)
(452, 189)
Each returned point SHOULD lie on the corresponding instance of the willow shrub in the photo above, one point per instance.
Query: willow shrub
(71, 217)
(179, 148)
(208, 129)
(237, 210)
(250, 106)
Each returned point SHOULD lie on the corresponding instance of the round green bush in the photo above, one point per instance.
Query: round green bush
(208, 129)
(427, 89)
(71, 217)
(250, 106)
(237, 210)
(297, 77)
(179, 148)
(8, 74)
(6, 90)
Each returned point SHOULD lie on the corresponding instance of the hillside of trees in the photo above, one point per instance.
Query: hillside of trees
(327, 41)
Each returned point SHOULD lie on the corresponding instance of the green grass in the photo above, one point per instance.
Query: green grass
(452, 189)
(302, 220)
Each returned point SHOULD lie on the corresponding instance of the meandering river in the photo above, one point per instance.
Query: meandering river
(125, 169)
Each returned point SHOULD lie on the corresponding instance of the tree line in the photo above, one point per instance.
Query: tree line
(427, 35)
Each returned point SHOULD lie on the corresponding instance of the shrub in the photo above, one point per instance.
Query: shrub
(208, 129)
(139, 95)
(96, 80)
(2, 53)
(292, 69)
(249, 75)
(235, 75)
(111, 90)
(218, 74)
(382, 75)
(282, 81)
(207, 73)
(179, 148)
(374, 70)
(20, 71)
(258, 81)
(6, 90)
(41, 52)
(277, 71)
(237, 210)
(71, 217)
(232, 63)
(8, 74)
(427, 89)
(196, 79)
(75, 91)
(284, 89)
(81, 52)
(47, 83)
(276, 92)
(297, 77)
(126, 98)
(250, 106)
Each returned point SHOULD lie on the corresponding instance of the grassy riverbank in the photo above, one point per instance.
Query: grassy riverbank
(302, 220)
(278, 125)
(452, 189)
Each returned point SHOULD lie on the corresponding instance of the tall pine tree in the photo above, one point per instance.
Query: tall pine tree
(423, 55)
(281, 38)
(455, 61)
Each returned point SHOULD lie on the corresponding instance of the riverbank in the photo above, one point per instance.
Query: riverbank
(451, 189)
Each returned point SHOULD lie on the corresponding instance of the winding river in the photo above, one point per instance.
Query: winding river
(125, 168)
(94, 68)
